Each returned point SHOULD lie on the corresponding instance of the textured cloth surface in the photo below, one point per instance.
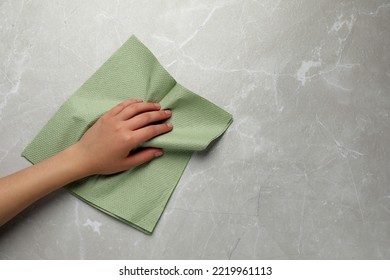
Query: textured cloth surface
(138, 196)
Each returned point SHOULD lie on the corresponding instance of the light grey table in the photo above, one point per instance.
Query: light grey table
(302, 173)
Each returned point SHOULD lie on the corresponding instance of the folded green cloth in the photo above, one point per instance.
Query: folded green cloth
(138, 196)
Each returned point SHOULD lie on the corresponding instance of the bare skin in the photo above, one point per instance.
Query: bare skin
(103, 149)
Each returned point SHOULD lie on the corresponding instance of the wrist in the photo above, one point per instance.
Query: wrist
(78, 162)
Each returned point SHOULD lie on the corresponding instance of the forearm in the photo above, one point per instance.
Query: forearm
(19, 190)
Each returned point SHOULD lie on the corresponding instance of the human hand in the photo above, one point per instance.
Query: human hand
(105, 147)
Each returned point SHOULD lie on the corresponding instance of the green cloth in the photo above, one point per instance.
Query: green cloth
(138, 196)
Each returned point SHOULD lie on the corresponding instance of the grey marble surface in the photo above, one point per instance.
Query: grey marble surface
(302, 173)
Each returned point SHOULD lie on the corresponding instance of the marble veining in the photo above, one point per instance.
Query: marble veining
(302, 173)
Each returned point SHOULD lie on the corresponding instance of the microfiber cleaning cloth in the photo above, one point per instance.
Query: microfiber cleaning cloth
(138, 196)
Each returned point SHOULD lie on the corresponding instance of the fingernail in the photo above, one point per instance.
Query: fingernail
(138, 100)
(168, 112)
(157, 105)
(169, 125)
(158, 154)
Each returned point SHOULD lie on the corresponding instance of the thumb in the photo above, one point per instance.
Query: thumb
(142, 157)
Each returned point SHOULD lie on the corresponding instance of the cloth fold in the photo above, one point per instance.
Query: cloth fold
(137, 197)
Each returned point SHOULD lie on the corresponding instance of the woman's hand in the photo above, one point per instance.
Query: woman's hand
(105, 147)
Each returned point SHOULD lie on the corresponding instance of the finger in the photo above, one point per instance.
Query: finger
(137, 108)
(142, 156)
(118, 108)
(144, 119)
(148, 132)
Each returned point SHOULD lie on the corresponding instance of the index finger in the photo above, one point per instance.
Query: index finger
(118, 108)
